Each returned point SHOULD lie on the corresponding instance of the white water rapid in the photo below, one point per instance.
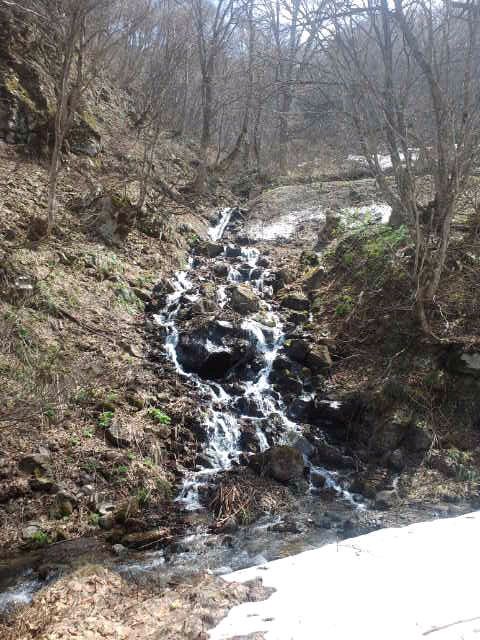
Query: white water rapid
(222, 416)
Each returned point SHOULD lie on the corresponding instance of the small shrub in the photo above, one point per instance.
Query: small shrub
(159, 416)
(105, 419)
(143, 496)
(40, 538)
(344, 307)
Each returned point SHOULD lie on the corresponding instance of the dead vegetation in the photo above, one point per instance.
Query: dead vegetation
(243, 498)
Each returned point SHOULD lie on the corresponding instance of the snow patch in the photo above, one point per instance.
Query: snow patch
(410, 583)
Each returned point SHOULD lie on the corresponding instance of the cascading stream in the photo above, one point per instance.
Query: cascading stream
(221, 418)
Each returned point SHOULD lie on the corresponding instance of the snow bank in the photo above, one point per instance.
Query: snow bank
(415, 582)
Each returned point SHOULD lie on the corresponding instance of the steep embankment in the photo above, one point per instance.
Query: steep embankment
(85, 436)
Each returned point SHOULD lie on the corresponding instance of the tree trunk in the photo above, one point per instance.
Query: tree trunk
(200, 184)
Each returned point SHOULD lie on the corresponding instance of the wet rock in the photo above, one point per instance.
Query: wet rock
(243, 299)
(317, 479)
(319, 359)
(285, 381)
(303, 445)
(282, 463)
(300, 409)
(209, 249)
(248, 406)
(220, 270)
(232, 251)
(297, 301)
(327, 454)
(119, 435)
(386, 499)
(248, 440)
(198, 352)
(296, 349)
(204, 461)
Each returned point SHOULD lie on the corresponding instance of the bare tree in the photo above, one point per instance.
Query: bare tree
(410, 90)
(214, 27)
(85, 33)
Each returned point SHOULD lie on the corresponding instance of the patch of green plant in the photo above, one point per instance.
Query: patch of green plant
(148, 462)
(49, 412)
(94, 518)
(143, 496)
(127, 298)
(344, 307)
(40, 538)
(74, 441)
(121, 470)
(159, 416)
(105, 419)
(88, 433)
(90, 466)
(105, 263)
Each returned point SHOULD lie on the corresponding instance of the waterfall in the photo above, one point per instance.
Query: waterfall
(222, 418)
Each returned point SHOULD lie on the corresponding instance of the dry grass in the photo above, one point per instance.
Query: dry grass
(243, 498)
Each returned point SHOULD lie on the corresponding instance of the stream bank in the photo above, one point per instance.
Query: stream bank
(236, 328)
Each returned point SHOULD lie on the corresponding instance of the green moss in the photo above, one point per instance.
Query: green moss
(12, 84)
(90, 119)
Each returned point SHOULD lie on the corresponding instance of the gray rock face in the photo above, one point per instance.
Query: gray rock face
(244, 300)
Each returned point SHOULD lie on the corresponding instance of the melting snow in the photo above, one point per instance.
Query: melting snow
(410, 583)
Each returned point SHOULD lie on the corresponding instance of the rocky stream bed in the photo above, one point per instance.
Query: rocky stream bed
(276, 475)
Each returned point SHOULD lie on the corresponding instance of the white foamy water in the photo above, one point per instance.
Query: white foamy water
(221, 419)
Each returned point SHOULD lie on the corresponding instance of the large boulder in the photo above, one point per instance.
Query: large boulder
(209, 249)
(295, 300)
(296, 349)
(115, 218)
(243, 299)
(212, 349)
(319, 359)
(282, 463)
